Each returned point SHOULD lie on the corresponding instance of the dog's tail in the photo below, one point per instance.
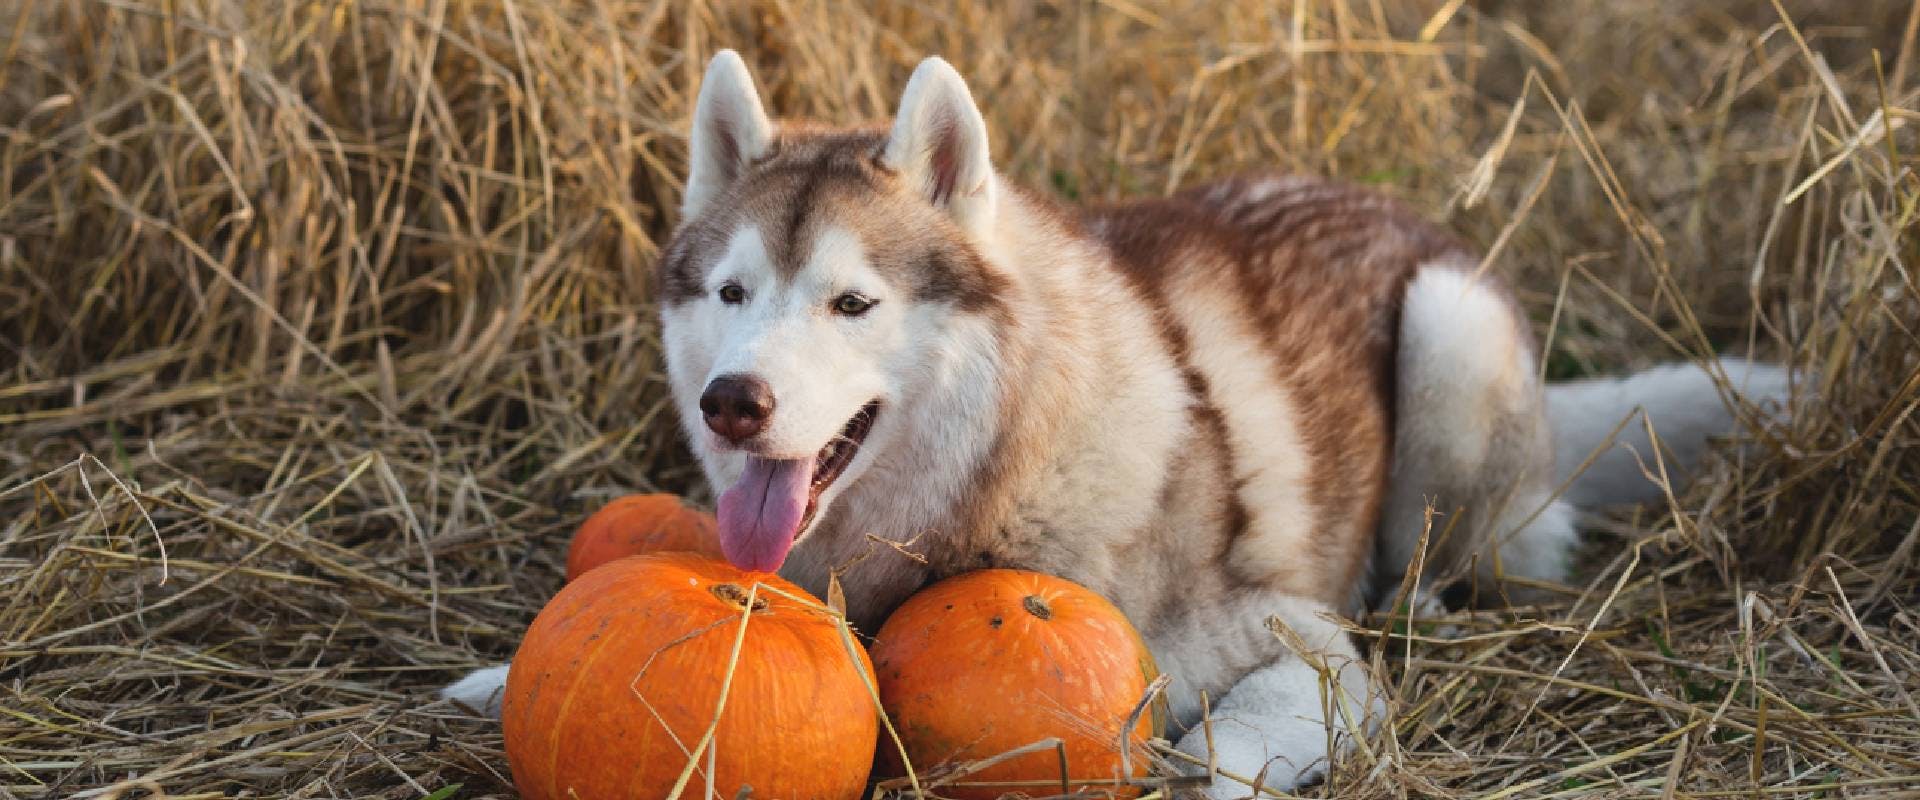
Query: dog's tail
(482, 690)
(1684, 404)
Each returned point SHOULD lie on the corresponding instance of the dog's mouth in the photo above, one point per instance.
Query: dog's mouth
(776, 499)
(834, 458)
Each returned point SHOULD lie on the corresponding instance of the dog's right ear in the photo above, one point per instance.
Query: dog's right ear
(730, 129)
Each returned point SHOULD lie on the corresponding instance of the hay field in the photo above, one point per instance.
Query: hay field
(322, 323)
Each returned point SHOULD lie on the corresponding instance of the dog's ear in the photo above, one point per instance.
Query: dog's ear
(730, 129)
(939, 144)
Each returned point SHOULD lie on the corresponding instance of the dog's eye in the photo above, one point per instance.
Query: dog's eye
(851, 305)
(732, 294)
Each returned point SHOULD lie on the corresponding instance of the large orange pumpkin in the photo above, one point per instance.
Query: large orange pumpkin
(618, 677)
(638, 524)
(989, 661)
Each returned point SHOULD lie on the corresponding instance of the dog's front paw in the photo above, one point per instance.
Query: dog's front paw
(481, 691)
(1282, 755)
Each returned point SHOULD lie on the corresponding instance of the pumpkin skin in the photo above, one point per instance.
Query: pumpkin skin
(992, 660)
(637, 524)
(799, 722)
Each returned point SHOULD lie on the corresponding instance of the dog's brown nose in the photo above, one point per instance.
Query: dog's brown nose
(737, 406)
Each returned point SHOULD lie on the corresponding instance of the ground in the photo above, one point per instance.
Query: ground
(325, 322)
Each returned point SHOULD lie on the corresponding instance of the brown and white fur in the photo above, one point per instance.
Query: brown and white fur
(1230, 405)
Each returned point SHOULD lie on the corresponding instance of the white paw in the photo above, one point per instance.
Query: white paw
(481, 691)
(1282, 755)
(1273, 729)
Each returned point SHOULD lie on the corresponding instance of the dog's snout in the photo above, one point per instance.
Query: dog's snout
(737, 406)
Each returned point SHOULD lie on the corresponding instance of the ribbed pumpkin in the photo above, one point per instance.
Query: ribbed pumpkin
(992, 660)
(617, 680)
(638, 524)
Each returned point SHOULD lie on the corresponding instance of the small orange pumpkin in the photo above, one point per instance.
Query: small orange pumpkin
(992, 660)
(638, 524)
(618, 678)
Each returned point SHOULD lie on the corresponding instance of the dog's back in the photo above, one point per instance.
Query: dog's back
(1284, 292)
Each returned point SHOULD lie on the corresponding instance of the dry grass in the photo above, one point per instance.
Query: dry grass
(351, 300)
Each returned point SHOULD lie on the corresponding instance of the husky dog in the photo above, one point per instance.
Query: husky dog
(1228, 410)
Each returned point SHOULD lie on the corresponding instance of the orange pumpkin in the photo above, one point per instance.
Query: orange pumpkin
(989, 661)
(618, 678)
(637, 524)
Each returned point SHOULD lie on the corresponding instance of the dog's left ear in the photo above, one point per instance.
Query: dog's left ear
(939, 144)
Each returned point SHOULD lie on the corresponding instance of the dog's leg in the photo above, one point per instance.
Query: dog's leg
(1487, 446)
(1283, 723)
(1681, 400)
(482, 690)
(1472, 441)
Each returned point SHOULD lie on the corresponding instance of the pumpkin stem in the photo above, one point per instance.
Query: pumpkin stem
(1037, 606)
(735, 595)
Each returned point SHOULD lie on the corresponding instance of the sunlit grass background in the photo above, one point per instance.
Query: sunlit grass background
(322, 323)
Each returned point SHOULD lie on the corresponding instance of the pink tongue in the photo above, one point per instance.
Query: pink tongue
(761, 514)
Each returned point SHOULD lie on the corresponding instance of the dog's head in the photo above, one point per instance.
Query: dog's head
(815, 291)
